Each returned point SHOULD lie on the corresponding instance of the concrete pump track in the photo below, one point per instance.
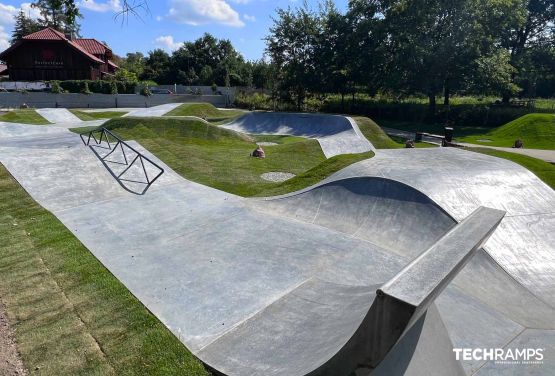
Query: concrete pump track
(379, 269)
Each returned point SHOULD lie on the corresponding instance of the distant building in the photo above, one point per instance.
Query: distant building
(51, 55)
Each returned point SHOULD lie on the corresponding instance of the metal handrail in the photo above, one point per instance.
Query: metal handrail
(105, 134)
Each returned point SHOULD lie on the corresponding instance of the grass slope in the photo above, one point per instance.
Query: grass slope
(25, 116)
(206, 111)
(87, 116)
(70, 314)
(537, 131)
(372, 131)
(219, 158)
(543, 170)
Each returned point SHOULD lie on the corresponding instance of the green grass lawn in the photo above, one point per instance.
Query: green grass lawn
(537, 131)
(543, 170)
(25, 116)
(206, 111)
(375, 134)
(87, 116)
(70, 314)
(220, 158)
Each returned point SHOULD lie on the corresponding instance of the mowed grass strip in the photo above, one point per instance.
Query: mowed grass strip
(71, 315)
(206, 111)
(537, 131)
(543, 170)
(23, 116)
(88, 116)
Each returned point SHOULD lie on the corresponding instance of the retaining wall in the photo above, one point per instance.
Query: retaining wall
(48, 100)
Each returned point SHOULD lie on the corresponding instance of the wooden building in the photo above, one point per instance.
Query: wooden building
(51, 55)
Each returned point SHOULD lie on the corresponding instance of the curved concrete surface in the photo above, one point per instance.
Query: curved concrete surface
(336, 134)
(277, 286)
(58, 115)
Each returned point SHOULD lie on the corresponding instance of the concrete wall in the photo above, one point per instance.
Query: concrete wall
(47, 100)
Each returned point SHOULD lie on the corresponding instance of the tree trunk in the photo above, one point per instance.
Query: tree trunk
(432, 103)
(446, 93)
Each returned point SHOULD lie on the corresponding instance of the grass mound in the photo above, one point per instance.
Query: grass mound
(87, 116)
(537, 131)
(206, 111)
(70, 314)
(25, 116)
(220, 158)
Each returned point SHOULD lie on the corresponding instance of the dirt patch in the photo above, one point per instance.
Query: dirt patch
(10, 361)
(277, 176)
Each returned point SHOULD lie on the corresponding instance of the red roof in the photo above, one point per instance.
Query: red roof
(92, 45)
(46, 34)
(51, 34)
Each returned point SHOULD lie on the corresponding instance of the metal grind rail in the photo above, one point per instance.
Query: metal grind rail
(114, 142)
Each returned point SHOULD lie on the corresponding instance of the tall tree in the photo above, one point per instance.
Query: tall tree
(23, 26)
(291, 45)
(62, 15)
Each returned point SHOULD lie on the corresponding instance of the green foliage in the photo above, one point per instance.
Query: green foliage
(98, 86)
(85, 89)
(23, 26)
(62, 15)
(113, 88)
(124, 75)
(145, 91)
(55, 87)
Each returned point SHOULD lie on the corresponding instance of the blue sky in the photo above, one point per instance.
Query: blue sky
(169, 22)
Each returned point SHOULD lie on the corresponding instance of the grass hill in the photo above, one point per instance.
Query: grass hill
(206, 111)
(220, 158)
(537, 131)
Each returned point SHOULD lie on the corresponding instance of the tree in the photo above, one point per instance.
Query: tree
(157, 67)
(61, 15)
(23, 26)
(133, 62)
(291, 46)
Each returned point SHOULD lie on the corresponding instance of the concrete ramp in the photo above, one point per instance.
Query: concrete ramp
(58, 115)
(154, 111)
(280, 286)
(336, 134)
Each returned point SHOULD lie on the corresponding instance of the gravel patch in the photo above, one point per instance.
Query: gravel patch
(277, 177)
(264, 143)
(484, 140)
(10, 361)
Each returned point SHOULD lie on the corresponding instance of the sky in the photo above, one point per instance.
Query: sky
(168, 23)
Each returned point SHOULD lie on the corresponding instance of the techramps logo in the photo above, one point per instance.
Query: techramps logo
(525, 356)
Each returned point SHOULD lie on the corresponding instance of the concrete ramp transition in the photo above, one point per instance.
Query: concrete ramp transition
(298, 284)
(336, 134)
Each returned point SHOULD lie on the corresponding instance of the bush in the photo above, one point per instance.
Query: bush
(145, 91)
(98, 86)
(56, 88)
(86, 89)
(113, 88)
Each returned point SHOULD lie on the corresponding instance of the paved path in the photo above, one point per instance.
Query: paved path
(546, 155)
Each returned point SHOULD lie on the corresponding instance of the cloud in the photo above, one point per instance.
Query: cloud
(159, 18)
(249, 18)
(201, 12)
(167, 42)
(7, 21)
(106, 6)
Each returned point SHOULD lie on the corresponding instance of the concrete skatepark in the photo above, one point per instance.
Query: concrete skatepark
(288, 285)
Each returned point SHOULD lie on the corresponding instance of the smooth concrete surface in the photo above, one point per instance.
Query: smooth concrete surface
(160, 110)
(276, 286)
(336, 134)
(58, 115)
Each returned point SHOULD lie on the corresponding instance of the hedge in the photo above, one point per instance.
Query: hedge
(98, 86)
